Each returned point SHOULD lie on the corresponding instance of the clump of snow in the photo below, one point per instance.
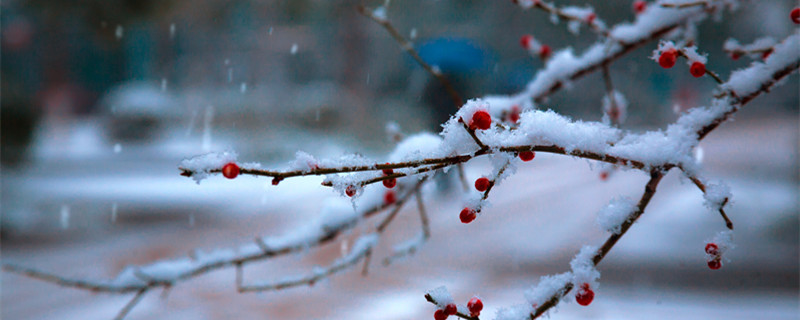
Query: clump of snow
(418, 146)
(525, 4)
(757, 45)
(304, 162)
(716, 195)
(517, 312)
(579, 13)
(379, 13)
(613, 215)
(693, 56)
(724, 242)
(749, 80)
(201, 165)
(653, 19)
(663, 45)
(499, 105)
(583, 269)
(550, 128)
(547, 287)
(441, 296)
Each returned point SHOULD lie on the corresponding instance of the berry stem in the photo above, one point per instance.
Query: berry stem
(708, 72)
(472, 134)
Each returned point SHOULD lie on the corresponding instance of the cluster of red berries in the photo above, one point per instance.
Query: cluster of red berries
(529, 43)
(639, 6)
(389, 183)
(715, 256)
(442, 314)
(475, 305)
(585, 295)
(669, 57)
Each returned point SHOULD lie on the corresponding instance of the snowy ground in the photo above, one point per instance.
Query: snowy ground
(539, 219)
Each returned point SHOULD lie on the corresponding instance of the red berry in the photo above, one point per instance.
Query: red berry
(450, 309)
(604, 176)
(230, 170)
(766, 54)
(590, 18)
(527, 155)
(639, 6)
(467, 215)
(735, 55)
(712, 249)
(350, 191)
(795, 15)
(439, 315)
(480, 120)
(389, 198)
(525, 41)
(390, 183)
(668, 58)
(697, 69)
(513, 116)
(276, 181)
(482, 184)
(715, 264)
(475, 306)
(544, 52)
(585, 295)
(387, 172)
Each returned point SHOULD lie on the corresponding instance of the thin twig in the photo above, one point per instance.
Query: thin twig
(611, 96)
(702, 187)
(129, 306)
(649, 191)
(408, 47)
(684, 5)
(563, 15)
(423, 215)
(472, 134)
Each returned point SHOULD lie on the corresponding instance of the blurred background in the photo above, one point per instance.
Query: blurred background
(102, 99)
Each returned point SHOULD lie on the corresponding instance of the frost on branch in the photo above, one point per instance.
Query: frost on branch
(724, 242)
(745, 81)
(612, 216)
(202, 165)
(583, 269)
(716, 195)
(441, 296)
(548, 287)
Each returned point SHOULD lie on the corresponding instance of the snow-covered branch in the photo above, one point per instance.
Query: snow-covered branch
(508, 131)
